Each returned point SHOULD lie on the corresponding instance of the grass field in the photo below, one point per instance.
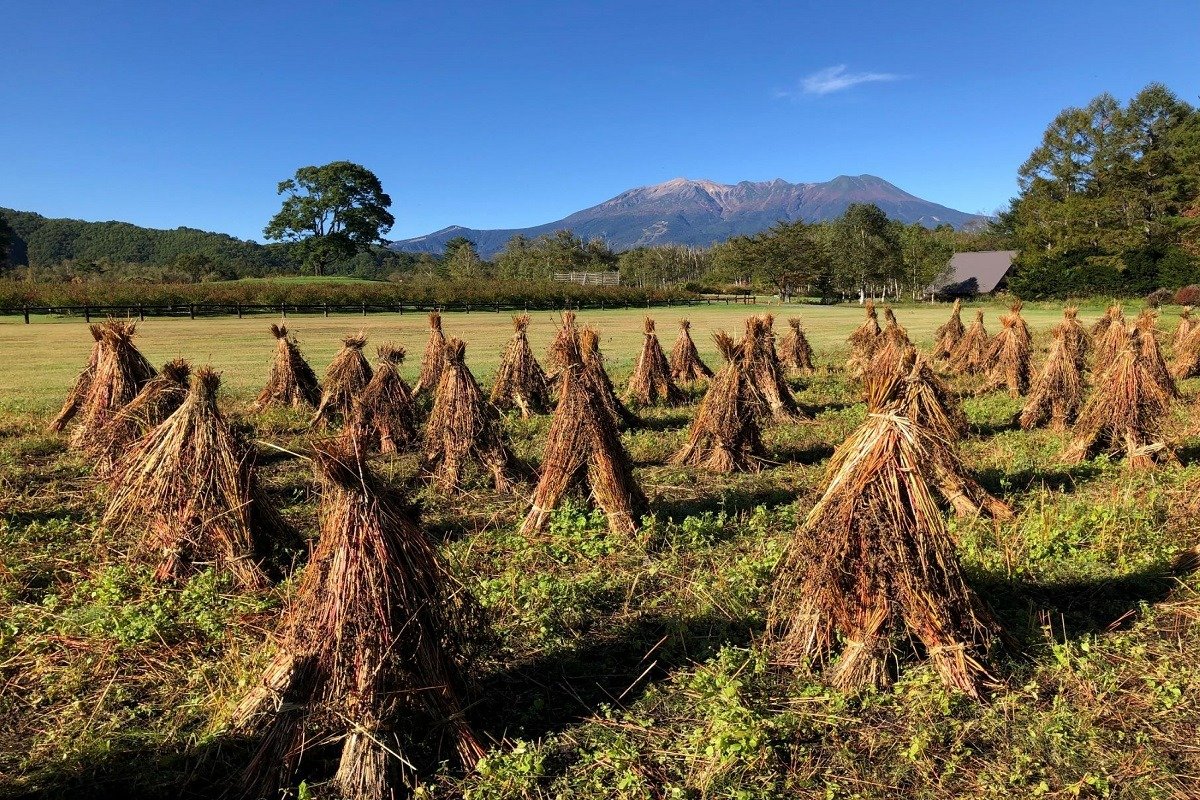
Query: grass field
(619, 669)
(53, 350)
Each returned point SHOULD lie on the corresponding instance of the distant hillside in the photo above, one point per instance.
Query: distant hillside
(701, 212)
(46, 241)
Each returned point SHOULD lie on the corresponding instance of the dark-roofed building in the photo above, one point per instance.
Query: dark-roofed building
(977, 273)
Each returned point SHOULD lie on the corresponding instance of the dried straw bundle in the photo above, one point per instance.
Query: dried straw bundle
(521, 383)
(434, 360)
(584, 448)
(463, 427)
(874, 564)
(651, 382)
(1075, 339)
(1186, 325)
(157, 400)
(863, 341)
(564, 342)
(1187, 356)
(686, 365)
(725, 435)
(892, 345)
(1100, 326)
(121, 372)
(189, 485)
(370, 648)
(347, 375)
(1057, 392)
(950, 334)
(1125, 414)
(1112, 341)
(1009, 356)
(385, 415)
(763, 371)
(924, 398)
(588, 345)
(920, 397)
(292, 382)
(971, 355)
(1151, 354)
(795, 352)
(83, 382)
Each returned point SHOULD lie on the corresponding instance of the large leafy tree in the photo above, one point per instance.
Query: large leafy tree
(331, 212)
(866, 250)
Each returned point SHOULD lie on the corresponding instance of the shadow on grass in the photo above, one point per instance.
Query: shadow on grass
(732, 501)
(804, 456)
(1059, 478)
(1072, 609)
(548, 693)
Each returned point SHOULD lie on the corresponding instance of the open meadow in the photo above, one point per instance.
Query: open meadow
(616, 666)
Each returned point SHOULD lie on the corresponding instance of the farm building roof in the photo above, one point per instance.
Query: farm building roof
(988, 268)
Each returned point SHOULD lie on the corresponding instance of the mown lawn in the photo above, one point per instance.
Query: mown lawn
(619, 668)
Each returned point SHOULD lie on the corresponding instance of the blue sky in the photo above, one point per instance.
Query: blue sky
(513, 114)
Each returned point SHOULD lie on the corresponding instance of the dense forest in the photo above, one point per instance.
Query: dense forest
(1109, 203)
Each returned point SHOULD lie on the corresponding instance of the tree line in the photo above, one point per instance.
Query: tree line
(1109, 200)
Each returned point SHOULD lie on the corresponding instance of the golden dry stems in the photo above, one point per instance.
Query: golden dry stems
(370, 649)
(1186, 324)
(651, 382)
(463, 428)
(1151, 353)
(892, 345)
(565, 337)
(1010, 356)
(384, 417)
(795, 352)
(874, 566)
(970, 356)
(583, 448)
(1100, 326)
(1113, 339)
(347, 375)
(434, 359)
(1057, 392)
(765, 375)
(292, 382)
(1076, 340)
(588, 345)
(188, 487)
(686, 365)
(921, 396)
(725, 434)
(949, 334)
(120, 373)
(520, 383)
(157, 400)
(863, 342)
(1125, 414)
(83, 382)
(1187, 356)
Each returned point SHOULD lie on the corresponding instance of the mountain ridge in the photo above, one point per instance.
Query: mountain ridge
(701, 212)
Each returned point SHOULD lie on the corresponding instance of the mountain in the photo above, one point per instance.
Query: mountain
(683, 211)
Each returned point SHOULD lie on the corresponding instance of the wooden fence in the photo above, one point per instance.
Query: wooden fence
(609, 278)
(194, 310)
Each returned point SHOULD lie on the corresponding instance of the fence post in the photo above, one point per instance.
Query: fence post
(283, 310)
(25, 309)
(239, 310)
(325, 308)
(87, 314)
(141, 313)
(364, 307)
(192, 310)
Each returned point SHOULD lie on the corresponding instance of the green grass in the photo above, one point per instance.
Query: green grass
(619, 668)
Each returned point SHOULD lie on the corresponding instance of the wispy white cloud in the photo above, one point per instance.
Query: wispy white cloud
(836, 79)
